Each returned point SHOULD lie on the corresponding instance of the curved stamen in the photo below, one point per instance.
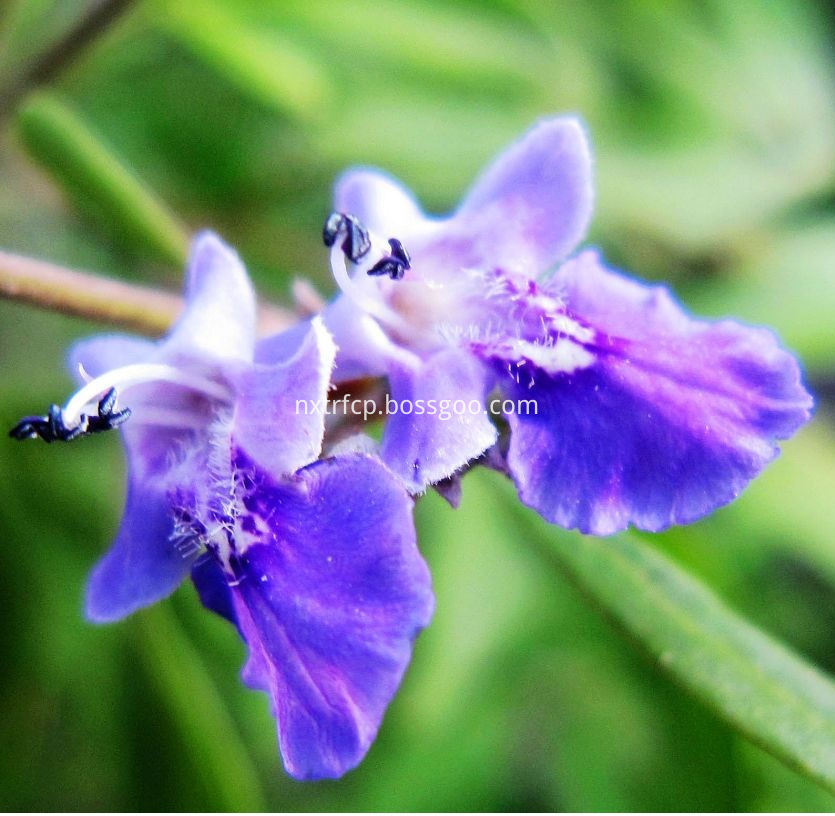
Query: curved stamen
(139, 374)
(356, 243)
(366, 298)
(393, 265)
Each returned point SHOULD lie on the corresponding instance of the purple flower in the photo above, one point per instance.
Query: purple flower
(643, 415)
(314, 561)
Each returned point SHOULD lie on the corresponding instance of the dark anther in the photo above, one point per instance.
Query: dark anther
(106, 420)
(394, 265)
(52, 428)
(356, 244)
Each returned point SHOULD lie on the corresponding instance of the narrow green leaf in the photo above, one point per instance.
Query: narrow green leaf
(439, 40)
(96, 180)
(271, 67)
(215, 746)
(757, 685)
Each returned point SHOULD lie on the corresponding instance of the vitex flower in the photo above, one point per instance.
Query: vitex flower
(314, 561)
(641, 414)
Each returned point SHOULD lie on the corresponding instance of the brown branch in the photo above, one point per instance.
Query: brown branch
(104, 300)
(61, 53)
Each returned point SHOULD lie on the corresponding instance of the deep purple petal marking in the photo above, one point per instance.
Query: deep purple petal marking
(330, 595)
(212, 587)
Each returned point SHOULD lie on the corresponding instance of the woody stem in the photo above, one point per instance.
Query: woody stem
(104, 300)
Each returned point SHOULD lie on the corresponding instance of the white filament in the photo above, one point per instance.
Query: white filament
(138, 374)
(367, 298)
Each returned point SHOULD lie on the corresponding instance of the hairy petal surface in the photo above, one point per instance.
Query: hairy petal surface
(214, 336)
(673, 420)
(423, 448)
(330, 593)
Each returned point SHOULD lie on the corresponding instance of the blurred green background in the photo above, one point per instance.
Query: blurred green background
(714, 131)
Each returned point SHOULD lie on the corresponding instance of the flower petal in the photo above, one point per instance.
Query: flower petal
(332, 591)
(219, 320)
(212, 588)
(279, 418)
(531, 207)
(104, 352)
(433, 440)
(143, 565)
(278, 348)
(365, 350)
(380, 203)
(672, 421)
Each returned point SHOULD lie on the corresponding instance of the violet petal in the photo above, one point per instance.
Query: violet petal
(104, 352)
(365, 350)
(331, 593)
(212, 587)
(530, 208)
(673, 419)
(143, 565)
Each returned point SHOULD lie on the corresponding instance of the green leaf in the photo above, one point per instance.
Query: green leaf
(269, 67)
(96, 180)
(185, 685)
(757, 685)
(440, 41)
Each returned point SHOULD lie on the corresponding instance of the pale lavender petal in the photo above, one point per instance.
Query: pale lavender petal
(365, 350)
(530, 208)
(329, 594)
(219, 320)
(279, 417)
(104, 352)
(447, 424)
(278, 348)
(673, 419)
(380, 203)
(143, 565)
